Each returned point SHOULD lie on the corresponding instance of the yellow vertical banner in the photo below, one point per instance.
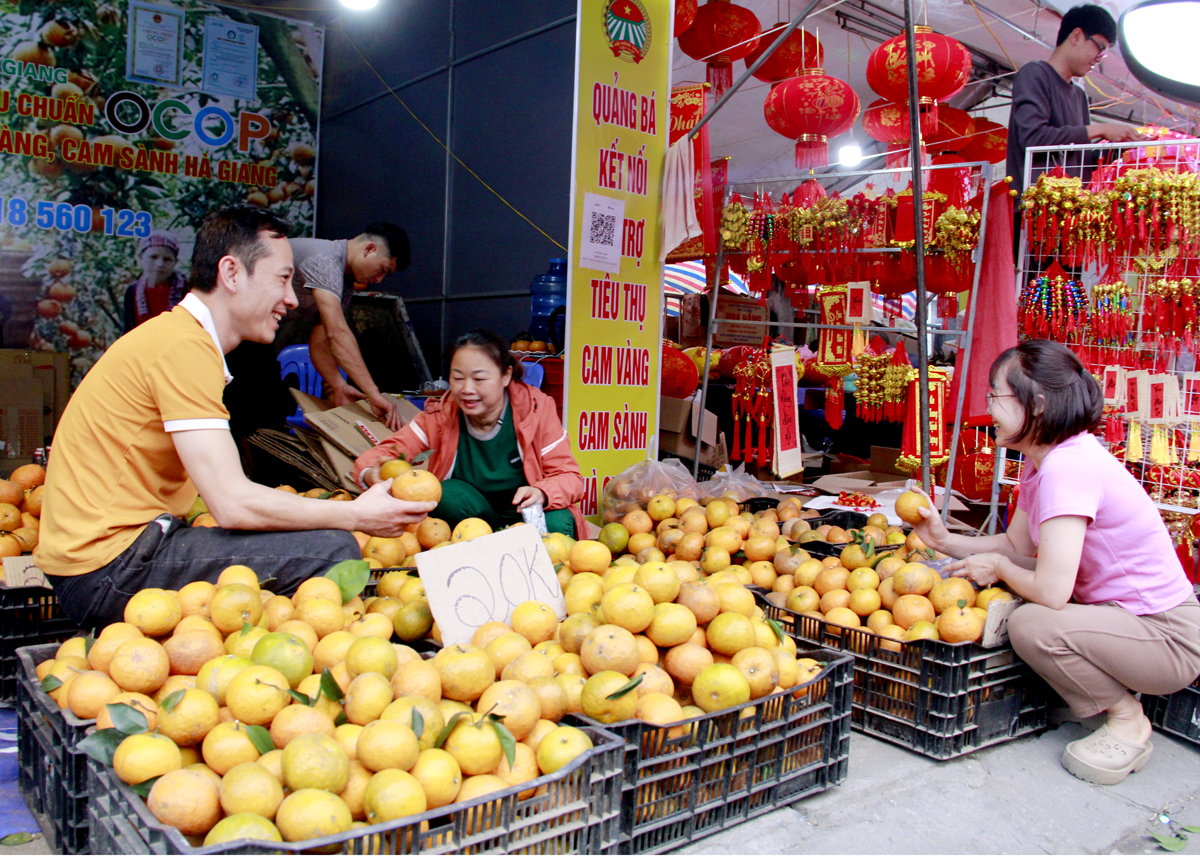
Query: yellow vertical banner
(614, 303)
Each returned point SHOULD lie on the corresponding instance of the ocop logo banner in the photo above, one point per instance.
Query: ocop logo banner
(615, 287)
(92, 163)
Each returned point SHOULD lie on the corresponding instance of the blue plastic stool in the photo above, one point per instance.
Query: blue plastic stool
(534, 373)
(295, 360)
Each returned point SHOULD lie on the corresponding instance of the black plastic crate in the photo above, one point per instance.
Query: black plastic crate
(48, 739)
(721, 769)
(938, 699)
(577, 811)
(1177, 714)
(29, 616)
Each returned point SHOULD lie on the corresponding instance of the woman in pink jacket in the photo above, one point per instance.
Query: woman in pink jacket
(498, 444)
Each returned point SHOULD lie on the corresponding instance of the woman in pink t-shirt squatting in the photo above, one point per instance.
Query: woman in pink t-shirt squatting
(1110, 611)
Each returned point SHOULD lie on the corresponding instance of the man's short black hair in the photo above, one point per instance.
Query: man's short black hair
(1092, 19)
(394, 241)
(237, 232)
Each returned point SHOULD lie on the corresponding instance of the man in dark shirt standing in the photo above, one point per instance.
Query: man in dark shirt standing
(1048, 109)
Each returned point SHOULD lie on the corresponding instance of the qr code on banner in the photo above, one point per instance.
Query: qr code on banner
(603, 227)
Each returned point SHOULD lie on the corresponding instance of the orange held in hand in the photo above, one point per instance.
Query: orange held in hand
(907, 505)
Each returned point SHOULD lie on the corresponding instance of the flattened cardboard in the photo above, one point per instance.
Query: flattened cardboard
(995, 629)
(484, 580)
(338, 424)
(19, 571)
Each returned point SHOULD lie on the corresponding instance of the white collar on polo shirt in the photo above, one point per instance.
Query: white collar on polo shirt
(202, 314)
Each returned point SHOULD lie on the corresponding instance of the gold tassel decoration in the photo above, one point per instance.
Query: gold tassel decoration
(1158, 446)
(1134, 449)
(1193, 452)
(859, 343)
(1172, 453)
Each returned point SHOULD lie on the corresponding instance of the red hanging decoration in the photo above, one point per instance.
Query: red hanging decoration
(943, 68)
(810, 108)
(720, 33)
(953, 132)
(887, 122)
(685, 14)
(939, 446)
(989, 143)
(799, 50)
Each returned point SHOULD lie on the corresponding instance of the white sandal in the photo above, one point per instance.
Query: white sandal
(1104, 759)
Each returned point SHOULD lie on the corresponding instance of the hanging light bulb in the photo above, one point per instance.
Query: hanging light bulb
(360, 5)
(850, 155)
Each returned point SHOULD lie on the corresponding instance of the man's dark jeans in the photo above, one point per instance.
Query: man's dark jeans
(169, 554)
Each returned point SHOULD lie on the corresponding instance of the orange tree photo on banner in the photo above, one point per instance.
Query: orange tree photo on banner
(104, 178)
(614, 303)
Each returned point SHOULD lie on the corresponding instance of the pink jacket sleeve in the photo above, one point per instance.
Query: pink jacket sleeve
(410, 440)
(561, 480)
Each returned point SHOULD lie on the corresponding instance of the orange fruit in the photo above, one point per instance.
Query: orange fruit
(910, 609)
(907, 505)
(418, 486)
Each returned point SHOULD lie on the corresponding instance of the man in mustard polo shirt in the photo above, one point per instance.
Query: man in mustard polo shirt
(146, 430)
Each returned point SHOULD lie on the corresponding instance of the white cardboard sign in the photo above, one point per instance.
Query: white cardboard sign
(483, 580)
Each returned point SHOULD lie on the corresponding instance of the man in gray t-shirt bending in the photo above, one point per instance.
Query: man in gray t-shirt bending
(325, 274)
(1049, 109)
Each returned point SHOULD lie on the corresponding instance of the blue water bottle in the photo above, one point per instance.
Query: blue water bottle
(549, 292)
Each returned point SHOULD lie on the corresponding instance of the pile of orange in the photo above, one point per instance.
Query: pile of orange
(207, 665)
(21, 509)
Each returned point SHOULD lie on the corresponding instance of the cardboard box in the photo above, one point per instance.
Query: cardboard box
(21, 419)
(678, 421)
(737, 309)
(53, 369)
(883, 460)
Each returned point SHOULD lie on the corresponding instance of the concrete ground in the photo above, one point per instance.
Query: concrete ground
(1012, 798)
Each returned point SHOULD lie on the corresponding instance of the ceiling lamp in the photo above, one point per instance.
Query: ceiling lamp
(810, 108)
(1158, 43)
(721, 33)
(943, 68)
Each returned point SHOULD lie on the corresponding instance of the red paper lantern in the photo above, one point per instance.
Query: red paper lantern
(943, 68)
(721, 33)
(989, 143)
(887, 122)
(953, 132)
(810, 108)
(800, 50)
(680, 377)
(685, 14)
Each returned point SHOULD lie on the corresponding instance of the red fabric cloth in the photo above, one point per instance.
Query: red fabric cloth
(996, 315)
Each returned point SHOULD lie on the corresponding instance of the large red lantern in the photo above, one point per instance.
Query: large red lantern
(800, 50)
(685, 14)
(887, 122)
(943, 68)
(953, 132)
(721, 33)
(989, 143)
(810, 108)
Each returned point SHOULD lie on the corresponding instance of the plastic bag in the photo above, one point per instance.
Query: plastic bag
(737, 483)
(635, 486)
